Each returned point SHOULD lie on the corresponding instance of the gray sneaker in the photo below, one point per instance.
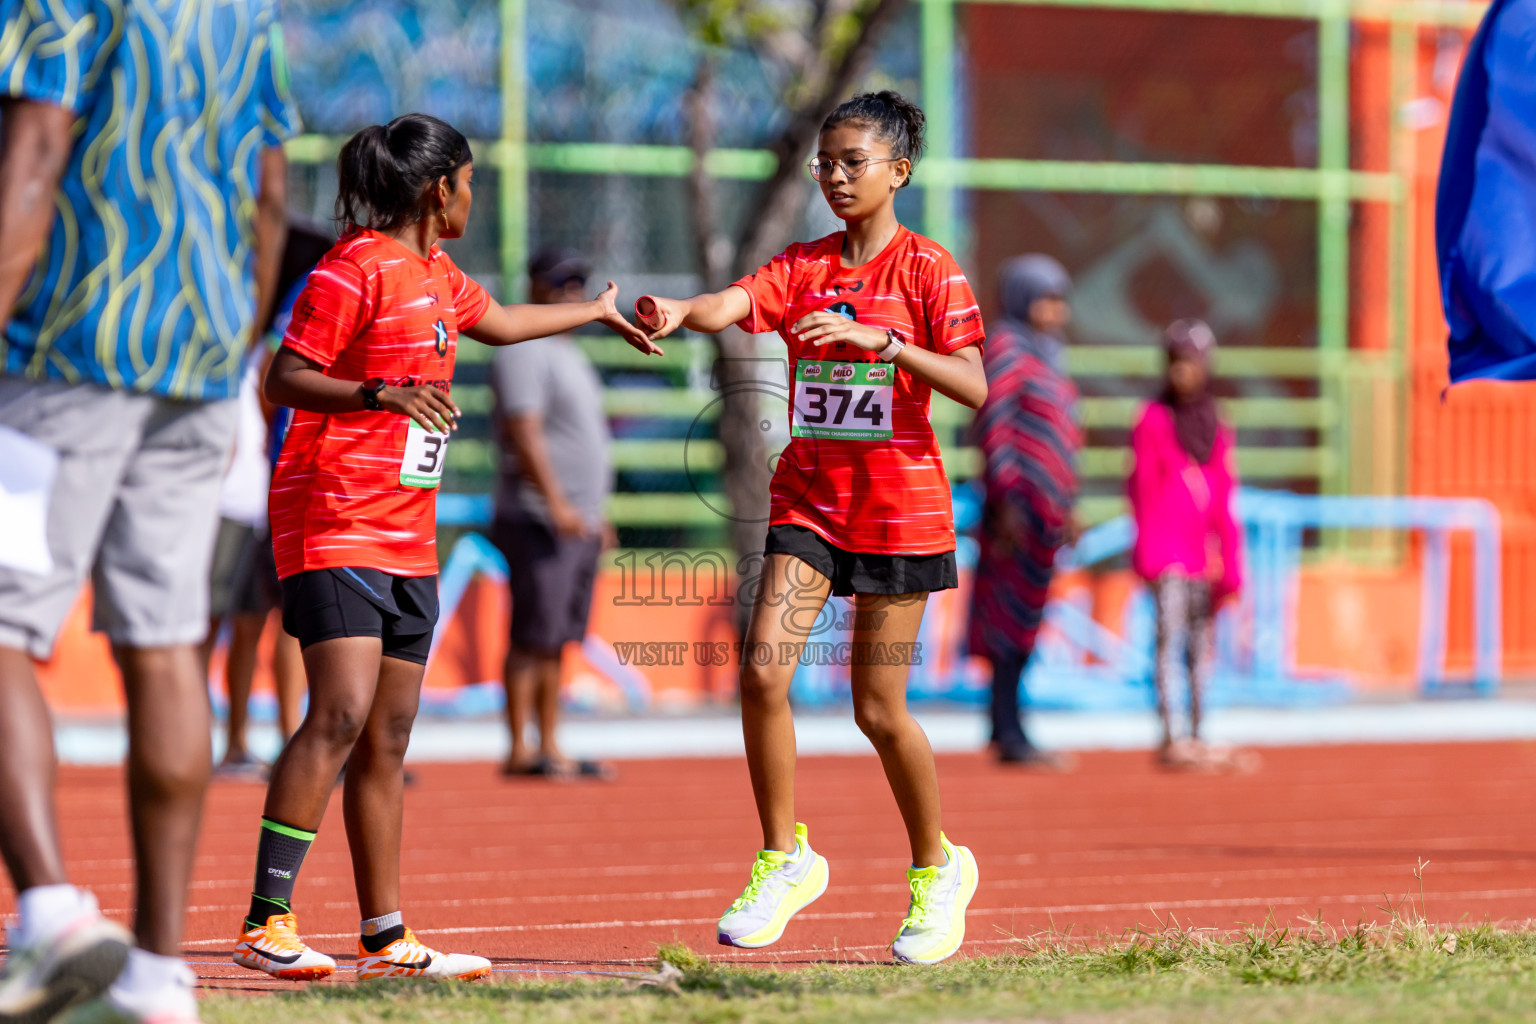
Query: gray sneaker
(935, 923)
(74, 964)
(782, 885)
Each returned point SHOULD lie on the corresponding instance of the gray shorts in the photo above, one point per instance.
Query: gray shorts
(243, 579)
(552, 577)
(135, 504)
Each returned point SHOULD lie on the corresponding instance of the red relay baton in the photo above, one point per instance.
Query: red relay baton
(647, 313)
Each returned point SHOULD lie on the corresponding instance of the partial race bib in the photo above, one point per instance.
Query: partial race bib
(845, 401)
(422, 463)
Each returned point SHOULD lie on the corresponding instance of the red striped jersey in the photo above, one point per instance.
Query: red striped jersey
(862, 467)
(346, 490)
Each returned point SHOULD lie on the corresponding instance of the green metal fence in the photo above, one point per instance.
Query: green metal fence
(1355, 392)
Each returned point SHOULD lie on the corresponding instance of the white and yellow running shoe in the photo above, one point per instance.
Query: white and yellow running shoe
(276, 949)
(782, 885)
(935, 923)
(408, 958)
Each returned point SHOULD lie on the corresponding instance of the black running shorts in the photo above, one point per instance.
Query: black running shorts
(324, 604)
(853, 572)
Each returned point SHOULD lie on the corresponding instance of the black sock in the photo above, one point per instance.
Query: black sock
(381, 941)
(279, 855)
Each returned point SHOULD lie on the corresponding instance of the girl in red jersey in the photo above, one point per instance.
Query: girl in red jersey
(367, 364)
(875, 317)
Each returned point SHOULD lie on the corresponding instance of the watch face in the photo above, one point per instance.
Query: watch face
(371, 388)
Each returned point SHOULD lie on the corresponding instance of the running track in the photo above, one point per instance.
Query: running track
(547, 877)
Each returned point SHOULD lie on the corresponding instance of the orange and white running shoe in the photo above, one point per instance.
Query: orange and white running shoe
(276, 948)
(408, 958)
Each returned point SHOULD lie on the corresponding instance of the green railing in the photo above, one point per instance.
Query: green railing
(1355, 390)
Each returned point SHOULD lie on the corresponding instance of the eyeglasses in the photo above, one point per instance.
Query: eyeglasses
(853, 166)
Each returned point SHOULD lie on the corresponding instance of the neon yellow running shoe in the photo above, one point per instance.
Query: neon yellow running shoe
(935, 923)
(782, 885)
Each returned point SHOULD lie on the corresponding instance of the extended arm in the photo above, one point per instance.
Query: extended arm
(707, 314)
(34, 151)
(508, 325)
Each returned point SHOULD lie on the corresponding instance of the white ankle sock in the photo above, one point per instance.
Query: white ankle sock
(153, 982)
(375, 925)
(43, 909)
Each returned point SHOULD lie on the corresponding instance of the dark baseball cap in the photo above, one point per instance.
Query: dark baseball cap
(557, 267)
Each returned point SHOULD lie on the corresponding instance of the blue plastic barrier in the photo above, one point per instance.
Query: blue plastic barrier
(1274, 523)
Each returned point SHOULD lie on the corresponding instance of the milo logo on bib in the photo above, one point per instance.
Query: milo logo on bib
(842, 401)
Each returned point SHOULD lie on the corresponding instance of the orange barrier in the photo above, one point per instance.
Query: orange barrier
(1352, 620)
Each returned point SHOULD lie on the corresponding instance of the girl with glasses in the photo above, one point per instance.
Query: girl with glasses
(876, 317)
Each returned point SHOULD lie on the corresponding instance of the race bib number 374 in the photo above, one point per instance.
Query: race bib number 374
(422, 463)
(845, 401)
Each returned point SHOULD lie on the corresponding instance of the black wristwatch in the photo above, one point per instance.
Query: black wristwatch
(371, 388)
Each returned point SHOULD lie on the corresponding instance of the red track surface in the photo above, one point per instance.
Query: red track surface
(562, 877)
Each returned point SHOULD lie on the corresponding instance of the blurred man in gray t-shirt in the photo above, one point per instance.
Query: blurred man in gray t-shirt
(555, 478)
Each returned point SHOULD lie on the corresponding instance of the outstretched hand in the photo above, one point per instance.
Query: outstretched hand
(614, 320)
(660, 316)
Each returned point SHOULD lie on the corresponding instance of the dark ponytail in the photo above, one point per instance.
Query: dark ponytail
(385, 171)
(891, 116)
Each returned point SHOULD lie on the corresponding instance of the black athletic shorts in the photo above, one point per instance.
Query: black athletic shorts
(853, 572)
(323, 604)
(551, 577)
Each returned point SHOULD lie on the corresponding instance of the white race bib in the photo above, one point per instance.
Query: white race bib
(422, 463)
(845, 401)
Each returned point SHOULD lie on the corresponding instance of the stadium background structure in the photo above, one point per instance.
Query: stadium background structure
(1355, 385)
(1341, 393)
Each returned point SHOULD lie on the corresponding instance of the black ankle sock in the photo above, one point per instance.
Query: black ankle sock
(279, 855)
(378, 943)
(263, 908)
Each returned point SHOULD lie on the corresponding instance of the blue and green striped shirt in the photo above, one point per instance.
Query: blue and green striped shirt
(145, 281)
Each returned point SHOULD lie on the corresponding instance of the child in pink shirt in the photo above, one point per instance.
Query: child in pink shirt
(1187, 542)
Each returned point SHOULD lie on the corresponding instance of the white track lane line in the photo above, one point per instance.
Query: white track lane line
(1069, 908)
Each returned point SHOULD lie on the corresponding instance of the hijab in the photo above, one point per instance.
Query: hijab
(1020, 281)
(1194, 419)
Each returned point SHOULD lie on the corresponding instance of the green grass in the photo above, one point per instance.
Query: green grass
(1398, 973)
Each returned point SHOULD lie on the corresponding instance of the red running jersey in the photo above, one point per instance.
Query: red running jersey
(360, 488)
(862, 467)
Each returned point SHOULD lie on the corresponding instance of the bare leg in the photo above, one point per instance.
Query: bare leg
(374, 793)
(789, 600)
(169, 760)
(239, 673)
(29, 831)
(880, 708)
(288, 678)
(548, 695)
(518, 679)
(343, 675)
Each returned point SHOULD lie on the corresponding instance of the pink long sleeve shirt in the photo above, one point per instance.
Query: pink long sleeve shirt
(1183, 510)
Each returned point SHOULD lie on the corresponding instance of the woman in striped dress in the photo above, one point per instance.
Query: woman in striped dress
(1028, 434)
